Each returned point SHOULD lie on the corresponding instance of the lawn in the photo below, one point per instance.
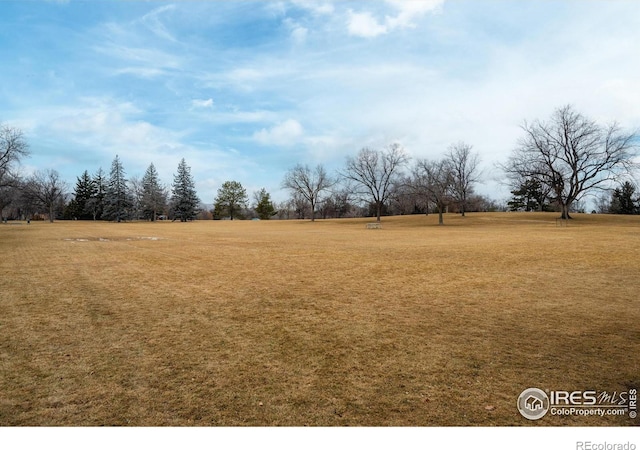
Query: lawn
(221, 323)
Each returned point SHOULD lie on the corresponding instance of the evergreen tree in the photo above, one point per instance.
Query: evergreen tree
(71, 210)
(85, 190)
(117, 199)
(95, 205)
(530, 196)
(154, 197)
(622, 201)
(184, 200)
(232, 197)
(264, 206)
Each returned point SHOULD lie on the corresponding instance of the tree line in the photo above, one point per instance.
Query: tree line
(99, 196)
(381, 177)
(116, 198)
(552, 167)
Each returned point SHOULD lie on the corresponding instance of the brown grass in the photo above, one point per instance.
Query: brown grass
(326, 323)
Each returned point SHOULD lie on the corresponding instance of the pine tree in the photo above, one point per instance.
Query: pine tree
(96, 202)
(184, 200)
(154, 197)
(264, 206)
(117, 199)
(622, 199)
(231, 198)
(85, 190)
(135, 189)
(529, 196)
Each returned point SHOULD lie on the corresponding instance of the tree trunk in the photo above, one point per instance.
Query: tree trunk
(565, 211)
(378, 211)
(440, 218)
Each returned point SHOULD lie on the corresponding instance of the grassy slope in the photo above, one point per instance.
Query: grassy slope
(326, 323)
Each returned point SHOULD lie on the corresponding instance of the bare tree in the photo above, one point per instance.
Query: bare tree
(572, 155)
(13, 147)
(338, 204)
(298, 205)
(45, 190)
(10, 196)
(434, 181)
(310, 184)
(374, 172)
(603, 202)
(406, 200)
(464, 168)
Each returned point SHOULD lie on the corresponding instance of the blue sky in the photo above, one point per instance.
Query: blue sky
(245, 90)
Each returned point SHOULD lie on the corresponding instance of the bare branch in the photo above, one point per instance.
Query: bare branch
(572, 155)
(310, 184)
(13, 147)
(434, 181)
(464, 166)
(374, 172)
(45, 190)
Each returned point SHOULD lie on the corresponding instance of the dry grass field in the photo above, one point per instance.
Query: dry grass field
(323, 324)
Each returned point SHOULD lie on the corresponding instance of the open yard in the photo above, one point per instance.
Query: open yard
(325, 323)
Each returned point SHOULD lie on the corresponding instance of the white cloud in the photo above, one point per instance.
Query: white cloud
(409, 10)
(100, 128)
(466, 77)
(298, 32)
(242, 74)
(240, 117)
(141, 72)
(257, 74)
(286, 133)
(146, 62)
(112, 124)
(299, 35)
(364, 25)
(320, 8)
(152, 21)
(133, 48)
(197, 103)
(245, 79)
